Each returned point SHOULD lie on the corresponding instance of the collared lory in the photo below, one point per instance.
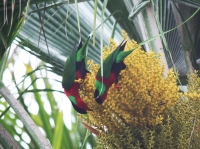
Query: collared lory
(112, 66)
(74, 71)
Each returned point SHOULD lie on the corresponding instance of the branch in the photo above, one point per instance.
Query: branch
(42, 142)
(6, 140)
(192, 132)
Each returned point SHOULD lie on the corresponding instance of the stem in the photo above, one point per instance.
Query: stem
(85, 139)
(192, 132)
(42, 142)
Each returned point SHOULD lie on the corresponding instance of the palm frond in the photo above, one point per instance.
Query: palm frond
(192, 3)
(174, 52)
(62, 32)
(10, 25)
(189, 33)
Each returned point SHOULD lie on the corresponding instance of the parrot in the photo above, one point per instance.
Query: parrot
(112, 66)
(74, 71)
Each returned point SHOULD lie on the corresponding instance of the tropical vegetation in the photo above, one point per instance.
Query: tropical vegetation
(150, 109)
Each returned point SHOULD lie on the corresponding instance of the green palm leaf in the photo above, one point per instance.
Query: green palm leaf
(192, 3)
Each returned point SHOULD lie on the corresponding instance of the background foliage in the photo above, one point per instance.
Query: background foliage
(35, 92)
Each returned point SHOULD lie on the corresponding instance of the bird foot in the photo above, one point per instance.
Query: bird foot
(117, 86)
(79, 80)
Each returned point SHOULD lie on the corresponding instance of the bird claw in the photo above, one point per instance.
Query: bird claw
(79, 80)
(117, 86)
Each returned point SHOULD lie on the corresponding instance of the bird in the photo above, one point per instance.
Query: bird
(112, 66)
(75, 71)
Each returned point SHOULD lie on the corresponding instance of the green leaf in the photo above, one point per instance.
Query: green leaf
(94, 23)
(58, 132)
(3, 62)
(77, 16)
(10, 25)
(137, 9)
(193, 3)
(43, 114)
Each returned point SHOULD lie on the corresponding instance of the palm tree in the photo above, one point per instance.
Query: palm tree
(52, 27)
(57, 26)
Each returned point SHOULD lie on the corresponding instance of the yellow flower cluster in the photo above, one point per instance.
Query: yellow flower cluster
(145, 95)
(193, 86)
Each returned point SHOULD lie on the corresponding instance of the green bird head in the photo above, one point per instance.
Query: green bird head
(113, 63)
(114, 60)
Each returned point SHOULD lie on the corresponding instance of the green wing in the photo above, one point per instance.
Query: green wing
(69, 72)
(81, 54)
(108, 62)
